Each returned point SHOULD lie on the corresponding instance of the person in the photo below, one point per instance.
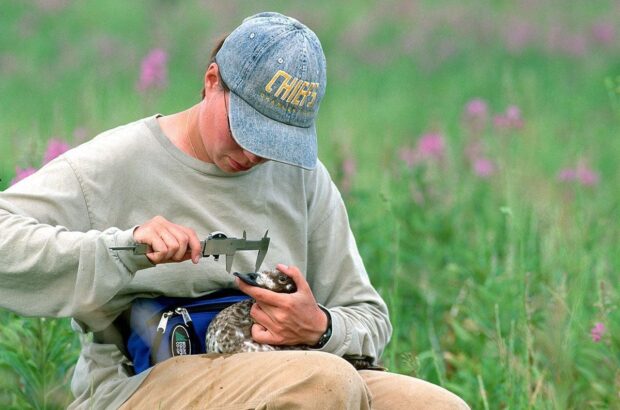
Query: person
(242, 159)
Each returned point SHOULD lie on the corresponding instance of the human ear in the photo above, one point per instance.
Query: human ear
(212, 79)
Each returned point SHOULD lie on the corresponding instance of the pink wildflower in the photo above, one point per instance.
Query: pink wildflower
(586, 175)
(55, 147)
(501, 122)
(476, 115)
(153, 71)
(603, 33)
(483, 167)
(562, 41)
(511, 119)
(513, 113)
(597, 332)
(567, 175)
(476, 109)
(430, 146)
(583, 174)
(22, 173)
(518, 34)
(349, 169)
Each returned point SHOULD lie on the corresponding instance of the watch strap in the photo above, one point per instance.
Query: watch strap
(328, 332)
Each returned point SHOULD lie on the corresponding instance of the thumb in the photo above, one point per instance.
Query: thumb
(294, 273)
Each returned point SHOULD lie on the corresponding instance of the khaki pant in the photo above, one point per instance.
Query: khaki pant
(282, 380)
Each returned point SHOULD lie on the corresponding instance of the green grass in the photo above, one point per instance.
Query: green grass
(493, 284)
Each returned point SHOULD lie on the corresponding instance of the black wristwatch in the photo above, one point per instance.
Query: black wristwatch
(328, 332)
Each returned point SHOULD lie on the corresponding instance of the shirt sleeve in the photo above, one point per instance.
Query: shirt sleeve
(51, 262)
(338, 278)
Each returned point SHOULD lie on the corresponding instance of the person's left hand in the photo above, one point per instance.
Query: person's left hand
(286, 318)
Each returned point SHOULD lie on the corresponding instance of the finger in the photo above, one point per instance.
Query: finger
(158, 247)
(171, 243)
(249, 289)
(260, 334)
(194, 244)
(262, 316)
(181, 238)
(168, 241)
(294, 273)
(264, 296)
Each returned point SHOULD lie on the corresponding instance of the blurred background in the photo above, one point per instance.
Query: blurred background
(475, 144)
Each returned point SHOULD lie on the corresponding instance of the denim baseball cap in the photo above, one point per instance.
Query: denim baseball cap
(274, 67)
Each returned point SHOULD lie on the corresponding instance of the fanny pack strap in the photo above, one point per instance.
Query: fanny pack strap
(155, 348)
(116, 333)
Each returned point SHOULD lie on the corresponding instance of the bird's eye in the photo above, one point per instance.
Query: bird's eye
(281, 278)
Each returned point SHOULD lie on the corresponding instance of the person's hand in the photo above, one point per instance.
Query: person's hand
(168, 242)
(286, 318)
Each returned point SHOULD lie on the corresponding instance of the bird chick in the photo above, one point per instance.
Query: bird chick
(231, 330)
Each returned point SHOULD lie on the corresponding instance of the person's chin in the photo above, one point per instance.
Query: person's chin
(234, 166)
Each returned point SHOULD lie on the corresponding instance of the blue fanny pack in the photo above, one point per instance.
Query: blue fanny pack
(165, 327)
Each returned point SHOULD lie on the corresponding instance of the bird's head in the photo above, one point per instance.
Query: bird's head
(273, 280)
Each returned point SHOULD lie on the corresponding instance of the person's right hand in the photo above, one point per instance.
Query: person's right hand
(168, 242)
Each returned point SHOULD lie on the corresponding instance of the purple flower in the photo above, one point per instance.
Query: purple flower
(518, 34)
(476, 109)
(55, 147)
(567, 175)
(586, 175)
(349, 166)
(501, 122)
(483, 167)
(153, 70)
(562, 41)
(597, 332)
(603, 33)
(513, 113)
(511, 119)
(430, 146)
(582, 174)
(22, 173)
(349, 169)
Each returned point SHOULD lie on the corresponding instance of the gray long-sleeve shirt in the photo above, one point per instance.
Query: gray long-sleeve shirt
(57, 225)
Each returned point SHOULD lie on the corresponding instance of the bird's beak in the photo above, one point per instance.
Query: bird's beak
(249, 278)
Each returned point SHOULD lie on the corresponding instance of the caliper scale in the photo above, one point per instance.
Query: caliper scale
(216, 244)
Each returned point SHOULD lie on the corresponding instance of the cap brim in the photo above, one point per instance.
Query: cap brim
(271, 139)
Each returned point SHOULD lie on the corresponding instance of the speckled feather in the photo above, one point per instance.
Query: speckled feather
(230, 331)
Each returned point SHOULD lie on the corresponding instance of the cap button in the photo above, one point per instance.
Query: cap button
(295, 23)
(252, 35)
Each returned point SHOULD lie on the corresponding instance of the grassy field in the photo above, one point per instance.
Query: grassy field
(476, 145)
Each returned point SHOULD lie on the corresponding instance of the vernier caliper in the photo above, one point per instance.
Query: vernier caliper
(215, 245)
